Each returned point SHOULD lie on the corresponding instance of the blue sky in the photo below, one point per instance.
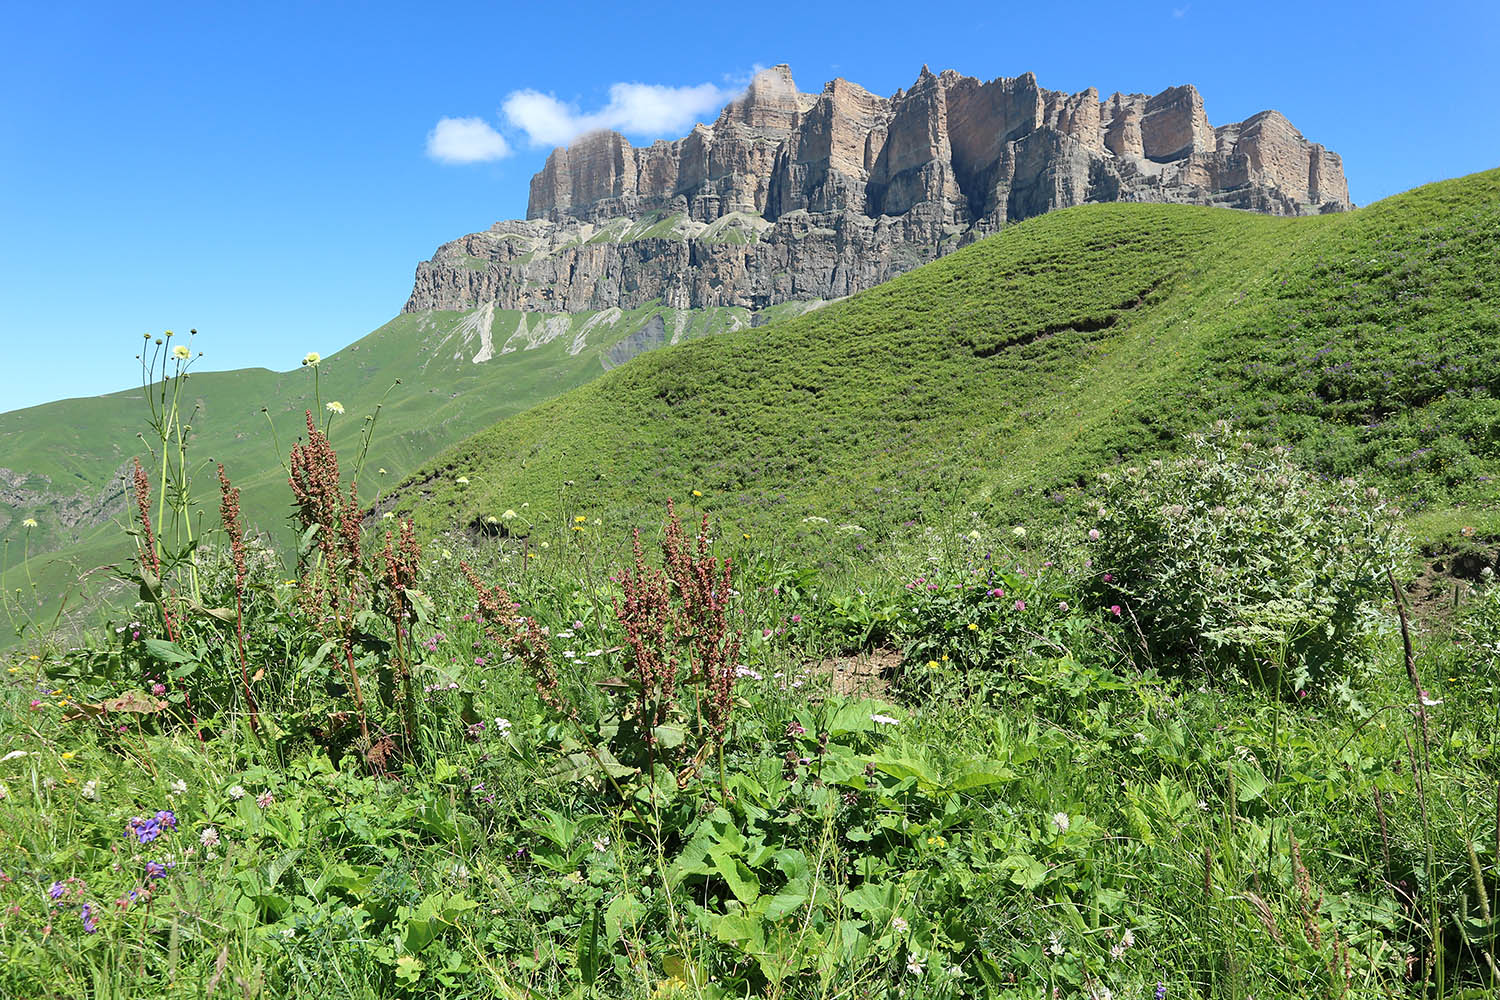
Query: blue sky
(272, 173)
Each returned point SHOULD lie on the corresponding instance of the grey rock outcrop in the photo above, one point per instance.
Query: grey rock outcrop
(791, 196)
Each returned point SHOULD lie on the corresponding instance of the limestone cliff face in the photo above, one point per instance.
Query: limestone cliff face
(800, 196)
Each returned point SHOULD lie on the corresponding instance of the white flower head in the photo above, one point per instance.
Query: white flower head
(30, 522)
(179, 787)
(311, 358)
(1054, 943)
(462, 480)
(1061, 821)
(90, 789)
(502, 726)
(899, 925)
(601, 844)
(209, 837)
(884, 720)
(334, 406)
(1018, 531)
(914, 965)
(181, 352)
(236, 793)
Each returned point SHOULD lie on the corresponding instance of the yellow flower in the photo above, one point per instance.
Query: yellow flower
(945, 657)
(312, 358)
(973, 627)
(746, 537)
(531, 555)
(697, 493)
(579, 519)
(30, 522)
(334, 406)
(181, 352)
(68, 755)
(577, 527)
(509, 514)
(15, 670)
(932, 664)
(462, 480)
(937, 842)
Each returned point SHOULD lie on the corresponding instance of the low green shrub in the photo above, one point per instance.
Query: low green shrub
(1236, 560)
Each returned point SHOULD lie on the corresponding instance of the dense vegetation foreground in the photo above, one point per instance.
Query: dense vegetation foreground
(918, 689)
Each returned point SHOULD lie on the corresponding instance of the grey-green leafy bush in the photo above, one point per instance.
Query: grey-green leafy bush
(1235, 560)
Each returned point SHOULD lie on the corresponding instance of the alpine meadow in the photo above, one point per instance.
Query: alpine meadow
(983, 542)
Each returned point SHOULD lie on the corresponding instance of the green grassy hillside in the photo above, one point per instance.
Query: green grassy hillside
(1006, 374)
(60, 463)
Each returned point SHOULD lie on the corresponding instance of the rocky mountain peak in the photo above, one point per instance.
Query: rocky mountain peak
(788, 195)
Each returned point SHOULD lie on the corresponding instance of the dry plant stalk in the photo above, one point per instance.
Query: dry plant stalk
(229, 514)
(519, 637)
(402, 557)
(147, 555)
(321, 504)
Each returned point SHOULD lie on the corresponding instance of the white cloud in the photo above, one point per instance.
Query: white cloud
(466, 140)
(640, 109)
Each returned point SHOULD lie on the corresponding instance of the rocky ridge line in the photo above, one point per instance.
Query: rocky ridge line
(792, 196)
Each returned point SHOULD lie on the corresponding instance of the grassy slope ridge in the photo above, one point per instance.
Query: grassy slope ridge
(73, 448)
(1005, 374)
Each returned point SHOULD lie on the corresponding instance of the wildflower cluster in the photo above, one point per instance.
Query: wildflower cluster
(147, 829)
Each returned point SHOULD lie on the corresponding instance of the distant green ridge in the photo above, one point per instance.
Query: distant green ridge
(62, 457)
(1003, 376)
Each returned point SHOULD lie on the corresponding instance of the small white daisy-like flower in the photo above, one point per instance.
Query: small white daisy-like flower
(90, 789)
(884, 720)
(30, 522)
(334, 406)
(502, 726)
(899, 925)
(462, 480)
(181, 352)
(1054, 943)
(1061, 821)
(601, 844)
(914, 965)
(179, 787)
(236, 793)
(311, 358)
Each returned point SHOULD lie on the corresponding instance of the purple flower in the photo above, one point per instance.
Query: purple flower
(87, 914)
(155, 869)
(794, 728)
(1161, 988)
(56, 890)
